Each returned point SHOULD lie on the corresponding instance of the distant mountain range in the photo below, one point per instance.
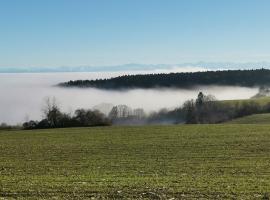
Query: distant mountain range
(199, 66)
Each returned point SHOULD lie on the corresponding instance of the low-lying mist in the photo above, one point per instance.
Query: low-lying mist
(22, 95)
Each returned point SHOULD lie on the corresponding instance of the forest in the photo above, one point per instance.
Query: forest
(245, 78)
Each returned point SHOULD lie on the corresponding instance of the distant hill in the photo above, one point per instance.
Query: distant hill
(246, 78)
(114, 68)
(180, 67)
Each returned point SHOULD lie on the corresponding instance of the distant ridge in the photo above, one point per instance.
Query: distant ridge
(246, 78)
(138, 67)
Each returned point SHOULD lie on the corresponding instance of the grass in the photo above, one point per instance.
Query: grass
(261, 101)
(252, 119)
(154, 162)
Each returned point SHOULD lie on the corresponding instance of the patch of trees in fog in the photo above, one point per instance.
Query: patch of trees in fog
(5, 126)
(55, 118)
(246, 78)
(124, 115)
(205, 109)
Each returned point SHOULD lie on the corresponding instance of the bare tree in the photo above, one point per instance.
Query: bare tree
(51, 111)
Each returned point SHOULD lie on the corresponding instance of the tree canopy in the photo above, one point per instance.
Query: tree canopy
(247, 78)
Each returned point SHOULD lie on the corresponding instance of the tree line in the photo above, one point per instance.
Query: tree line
(55, 118)
(247, 78)
(205, 109)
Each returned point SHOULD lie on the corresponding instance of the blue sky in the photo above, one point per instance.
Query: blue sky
(111, 32)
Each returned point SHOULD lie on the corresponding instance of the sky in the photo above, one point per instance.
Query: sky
(111, 32)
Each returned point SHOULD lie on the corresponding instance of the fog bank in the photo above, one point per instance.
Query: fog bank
(22, 95)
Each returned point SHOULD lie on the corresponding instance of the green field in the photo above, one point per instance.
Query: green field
(252, 119)
(261, 101)
(154, 162)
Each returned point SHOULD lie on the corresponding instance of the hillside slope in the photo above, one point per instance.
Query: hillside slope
(252, 119)
(261, 101)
